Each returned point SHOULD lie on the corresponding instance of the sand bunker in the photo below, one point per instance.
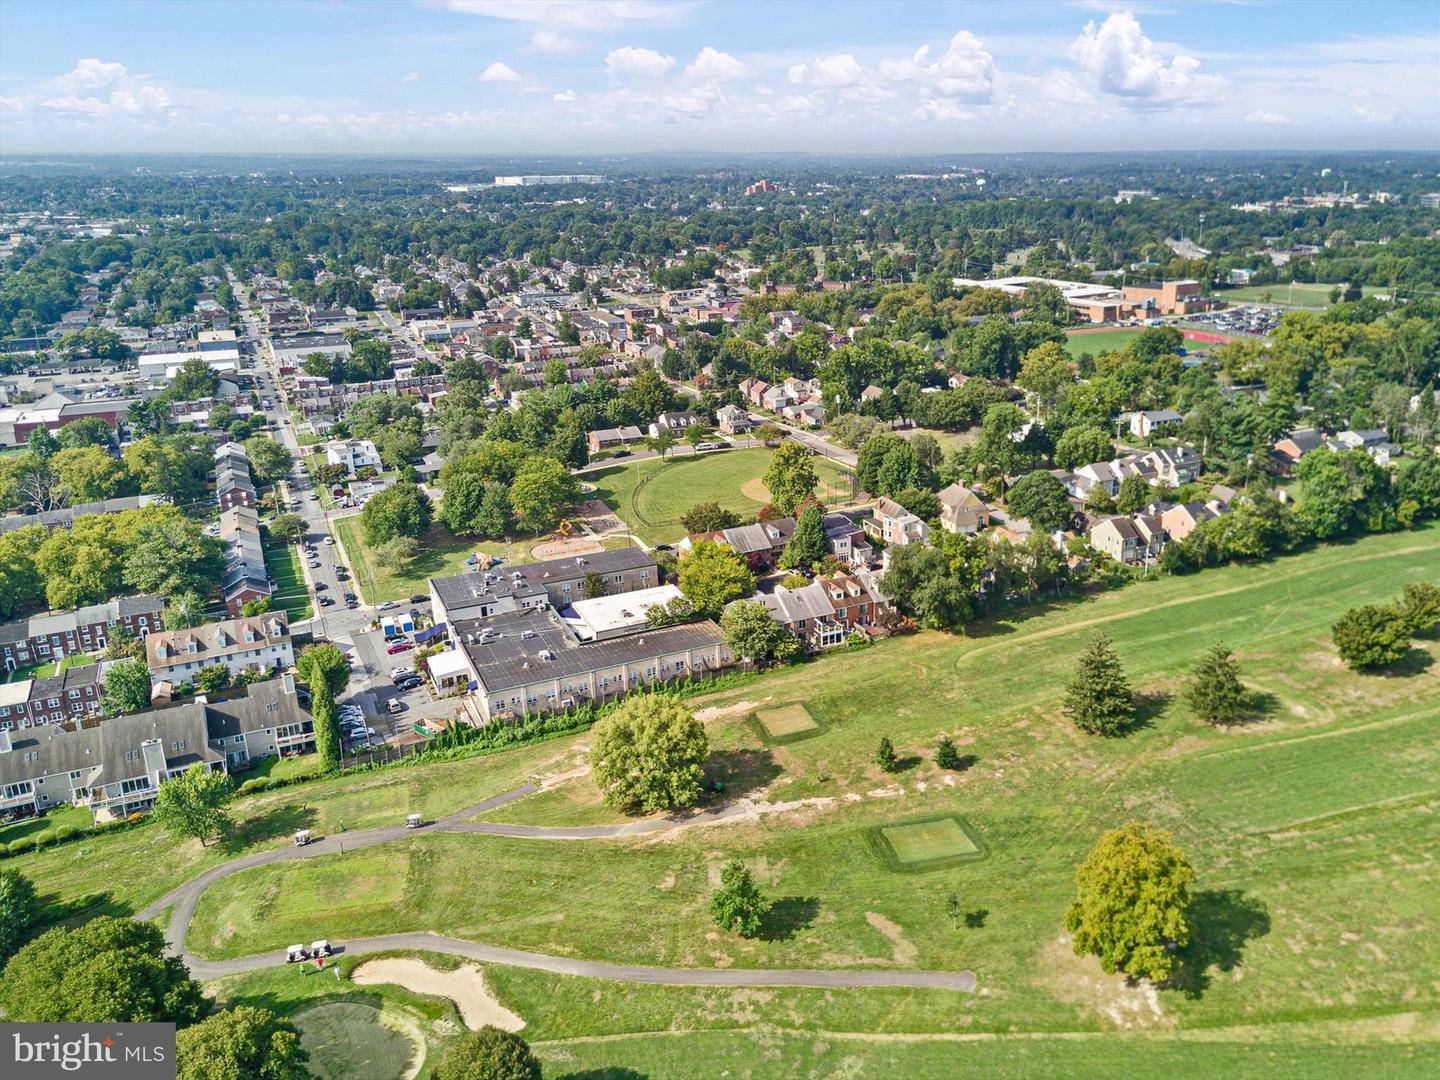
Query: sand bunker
(465, 986)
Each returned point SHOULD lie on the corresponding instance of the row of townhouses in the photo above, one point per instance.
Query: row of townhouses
(43, 638)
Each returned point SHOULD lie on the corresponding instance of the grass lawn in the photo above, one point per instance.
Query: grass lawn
(1101, 341)
(1301, 294)
(1311, 830)
(77, 817)
(48, 668)
(652, 495)
(283, 562)
(929, 841)
(441, 554)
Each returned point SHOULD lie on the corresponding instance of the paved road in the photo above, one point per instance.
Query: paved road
(186, 897)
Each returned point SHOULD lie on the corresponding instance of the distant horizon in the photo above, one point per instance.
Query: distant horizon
(576, 78)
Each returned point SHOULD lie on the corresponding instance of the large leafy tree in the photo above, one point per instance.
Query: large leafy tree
(1134, 495)
(401, 510)
(19, 910)
(269, 461)
(1420, 605)
(738, 905)
(1098, 698)
(90, 474)
(751, 633)
(172, 555)
(1046, 373)
(1131, 902)
(1083, 445)
(708, 517)
(808, 544)
(184, 611)
(712, 575)
(1372, 636)
(107, 970)
(1042, 498)
(647, 754)
(127, 688)
(791, 477)
(1215, 691)
(326, 671)
(488, 1054)
(540, 493)
(193, 804)
(243, 1043)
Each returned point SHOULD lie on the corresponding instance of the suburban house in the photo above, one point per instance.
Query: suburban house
(258, 641)
(482, 594)
(754, 390)
(809, 414)
(1150, 422)
(961, 510)
(823, 613)
(86, 630)
(354, 455)
(116, 767)
(734, 420)
(233, 486)
(761, 543)
(1099, 474)
(1289, 450)
(675, 423)
(614, 438)
(245, 577)
(1181, 520)
(72, 694)
(1371, 440)
(528, 662)
(893, 524)
(1166, 466)
(1130, 540)
(847, 540)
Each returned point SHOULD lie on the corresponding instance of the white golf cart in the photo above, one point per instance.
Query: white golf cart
(303, 837)
(414, 821)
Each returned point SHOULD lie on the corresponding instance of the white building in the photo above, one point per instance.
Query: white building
(261, 641)
(355, 455)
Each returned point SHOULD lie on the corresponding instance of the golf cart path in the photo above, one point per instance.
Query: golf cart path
(184, 899)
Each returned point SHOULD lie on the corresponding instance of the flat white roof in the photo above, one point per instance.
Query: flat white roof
(606, 613)
(445, 664)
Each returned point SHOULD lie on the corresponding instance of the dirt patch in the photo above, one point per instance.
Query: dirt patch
(901, 947)
(559, 549)
(755, 489)
(1079, 981)
(719, 712)
(599, 517)
(465, 986)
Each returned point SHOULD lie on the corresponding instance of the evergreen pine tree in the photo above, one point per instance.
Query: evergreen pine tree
(1098, 698)
(1215, 691)
(885, 754)
(946, 756)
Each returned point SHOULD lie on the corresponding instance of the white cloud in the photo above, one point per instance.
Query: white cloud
(965, 70)
(410, 76)
(1122, 61)
(942, 109)
(566, 96)
(629, 62)
(572, 14)
(713, 64)
(1371, 116)
(1266, 116)
(841, 69)
(498, 72)
(553, 44)
(92, 73)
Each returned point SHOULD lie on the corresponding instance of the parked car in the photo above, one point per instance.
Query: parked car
(406, 685)
(394, 705)
(399, 647)
(709, 446)
(328, 540)
(326, 601)
(389, 605)
(420, 598)
(320, 586)
(401, 672)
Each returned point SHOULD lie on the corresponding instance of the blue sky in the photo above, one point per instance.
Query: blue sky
(545, 76)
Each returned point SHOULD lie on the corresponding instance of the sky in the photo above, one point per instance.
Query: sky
(619, 76)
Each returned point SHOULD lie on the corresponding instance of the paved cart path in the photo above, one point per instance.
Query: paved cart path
(186, 897)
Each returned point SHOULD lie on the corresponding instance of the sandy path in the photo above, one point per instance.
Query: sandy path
(465, 986)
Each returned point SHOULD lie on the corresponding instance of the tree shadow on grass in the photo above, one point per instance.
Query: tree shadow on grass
(907, 762)
(55, 910)
(272, 824)
(964, 763)
(1148, 707)
(1415, 662)
(1222, 923)
(613, 1073)
(740, 772)
(787, 916)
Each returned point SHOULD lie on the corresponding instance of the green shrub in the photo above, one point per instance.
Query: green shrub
(65, 832)
(25, 843)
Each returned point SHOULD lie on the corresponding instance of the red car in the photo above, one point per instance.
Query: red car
(400, 646)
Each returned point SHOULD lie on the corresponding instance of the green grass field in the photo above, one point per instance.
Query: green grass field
(1301, 294)
(787, 720)
(283, 562)
(652, 495)
(1311, 830)
(932, 840)
(1099, 342)
(350, 1038)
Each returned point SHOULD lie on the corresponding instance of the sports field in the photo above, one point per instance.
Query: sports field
(1301, 294)
(1100, 341)
(1312, 832)
(652, 495)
